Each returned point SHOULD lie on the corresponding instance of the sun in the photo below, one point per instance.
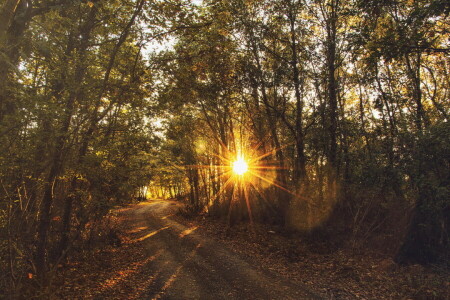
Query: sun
(240, 166)
(243, 174)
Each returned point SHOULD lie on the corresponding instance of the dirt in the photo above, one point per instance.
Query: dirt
(162, 258)
(347, 272)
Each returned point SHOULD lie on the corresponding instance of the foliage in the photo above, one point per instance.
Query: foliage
(344, 104)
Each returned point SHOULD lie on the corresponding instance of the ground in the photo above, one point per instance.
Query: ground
(165, 256)
(165, 259)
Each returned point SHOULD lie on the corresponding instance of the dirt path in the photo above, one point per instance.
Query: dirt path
(161, 257)
(182, 264)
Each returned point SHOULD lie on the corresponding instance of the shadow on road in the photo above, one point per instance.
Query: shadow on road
(164, 259)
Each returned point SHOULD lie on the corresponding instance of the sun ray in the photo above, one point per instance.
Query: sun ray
(206, 166)
(272, 152)
(270, 204)
(256, 147)
(231, 204)
(222, 189)
(218, 176)
(279, 186)
(237, 172)
(262, 167)
(249, 209)
(220, 157)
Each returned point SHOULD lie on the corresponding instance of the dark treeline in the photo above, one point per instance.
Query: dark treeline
(74, 132)
(344, 103)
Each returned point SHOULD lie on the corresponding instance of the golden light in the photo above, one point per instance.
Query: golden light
(240, 166)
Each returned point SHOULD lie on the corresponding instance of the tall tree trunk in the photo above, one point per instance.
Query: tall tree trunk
(87, 136)
(284, 198)
(414, 75)
(300, 161)
(332, 87)
(57, 161)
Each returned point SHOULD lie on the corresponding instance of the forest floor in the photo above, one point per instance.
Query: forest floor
(164, 255)
(163, 258)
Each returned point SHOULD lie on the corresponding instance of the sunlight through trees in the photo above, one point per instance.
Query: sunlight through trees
(327, 117)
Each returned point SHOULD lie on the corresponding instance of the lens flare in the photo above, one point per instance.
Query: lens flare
(240, 166)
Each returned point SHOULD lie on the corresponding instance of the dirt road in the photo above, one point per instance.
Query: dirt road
(187, 265)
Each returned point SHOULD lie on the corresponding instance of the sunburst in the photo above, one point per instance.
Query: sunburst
(243, 171)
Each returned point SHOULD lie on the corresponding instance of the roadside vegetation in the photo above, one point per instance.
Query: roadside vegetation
(326, 120)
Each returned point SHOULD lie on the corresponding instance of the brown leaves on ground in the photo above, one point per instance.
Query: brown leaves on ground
(342, 274)
(108, 273)
(121, 273)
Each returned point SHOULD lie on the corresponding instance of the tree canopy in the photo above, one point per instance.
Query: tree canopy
(339, 108)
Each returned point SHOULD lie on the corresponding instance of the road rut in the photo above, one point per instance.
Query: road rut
(188, 265)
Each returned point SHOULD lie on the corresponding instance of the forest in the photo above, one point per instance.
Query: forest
(325, 119)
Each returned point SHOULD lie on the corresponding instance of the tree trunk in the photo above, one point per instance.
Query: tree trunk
(300, 162)
(414, 75)
(284, 198)
(332, 98)
(74, 95)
